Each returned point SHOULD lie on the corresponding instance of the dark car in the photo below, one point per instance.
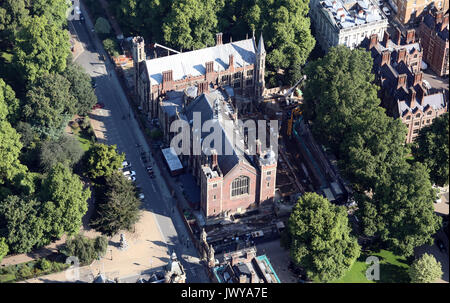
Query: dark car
(440, 245)
(98, 105)
(93, 83)
(81, 18)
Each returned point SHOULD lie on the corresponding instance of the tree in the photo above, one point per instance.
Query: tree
(41, 47)
(425, 269)
(191, 24)
(10, 147)
(432, 149)
(110, 46)
(19, 223)
(66, 202)
(3, 248)
(320, 238)
(12, 16)
(401, 213)
(9, 104)
(120, 209)
(102, 26)
(339, 93)
(84, 248)
(65, 150)
(102, 160)
(49, 105)
(54, 10)
(80, 88)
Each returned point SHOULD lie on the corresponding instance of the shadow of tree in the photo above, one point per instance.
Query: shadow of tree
(390, 273)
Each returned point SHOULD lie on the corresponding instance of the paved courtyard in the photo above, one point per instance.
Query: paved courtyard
(279, 258)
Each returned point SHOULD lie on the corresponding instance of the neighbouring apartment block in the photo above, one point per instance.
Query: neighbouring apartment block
(434, 34)
(239, 64)
(397, 69)
(409, 10)
(346, 22)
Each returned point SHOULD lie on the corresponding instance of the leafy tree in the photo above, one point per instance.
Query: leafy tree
(425, 269)
(66, 150)
(191, 24)
(19, 223)
(102, 26)
(66, 202)
(432, 149)
(84, 248)
(49, 105)
(110, 46)
(9, 104)
(80, 88)
(320, 238)
(53, 10)
(4, 249)
(401, 213)
(10, 147)
(41, 46)
(120, 209)
(102, 160)
(13, 14)
(342, 81)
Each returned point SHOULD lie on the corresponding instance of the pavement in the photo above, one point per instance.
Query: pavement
(118, 126)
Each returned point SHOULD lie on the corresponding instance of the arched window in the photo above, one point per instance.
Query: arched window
(240, 186)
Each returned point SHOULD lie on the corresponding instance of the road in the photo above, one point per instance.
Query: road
(122, 129)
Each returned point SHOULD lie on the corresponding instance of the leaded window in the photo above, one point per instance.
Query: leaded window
(240, 186)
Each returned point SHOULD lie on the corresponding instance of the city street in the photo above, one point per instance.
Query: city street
(119, 127)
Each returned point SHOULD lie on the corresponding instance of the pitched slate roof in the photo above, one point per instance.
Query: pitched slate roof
(193, 62)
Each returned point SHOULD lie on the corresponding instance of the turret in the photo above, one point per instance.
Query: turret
(260, 66)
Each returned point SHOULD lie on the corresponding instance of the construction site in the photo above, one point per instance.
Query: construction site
(303, 166)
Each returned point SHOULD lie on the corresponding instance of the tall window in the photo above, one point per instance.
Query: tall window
(240, 186)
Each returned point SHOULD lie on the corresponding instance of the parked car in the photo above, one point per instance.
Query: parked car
(440, 245)
(141, 196)
(386, 11)
(98, 105)
(81, 18)
(129, 173)
(77, 10)
(380, 2)
(132, 178)
(126, 164)
(93, 83)
(426, 84)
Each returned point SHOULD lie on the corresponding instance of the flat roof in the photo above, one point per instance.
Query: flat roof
(172, 159)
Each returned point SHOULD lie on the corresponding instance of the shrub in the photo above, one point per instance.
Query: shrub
(111, 47)
(44, 264)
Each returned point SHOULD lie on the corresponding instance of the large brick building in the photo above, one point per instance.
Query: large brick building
(410, 10)
(434, 34)
(239, 64)
(397, 69)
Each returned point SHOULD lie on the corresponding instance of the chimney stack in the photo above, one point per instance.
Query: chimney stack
(412, 93)
(385, 57)
(439, 16)
(231, 62)
(385, 38)
(399, 37)
(401, 55)
(373, 40)
(218, 38)
(401, 81)
(214, 161)
(444, 23)
(418, 78)
(410, 36)
(258, 147)
(209, 67)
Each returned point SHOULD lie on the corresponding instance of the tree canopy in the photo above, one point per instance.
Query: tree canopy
(65, 150)
(103, 160)
(320, 238)
(426, 269)
(118, 207)
(432, 149)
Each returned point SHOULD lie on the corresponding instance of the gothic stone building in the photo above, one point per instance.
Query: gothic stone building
(239, 64)
(397, 69)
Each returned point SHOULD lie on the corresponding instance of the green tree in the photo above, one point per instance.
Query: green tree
(120, 208)
(84, 248)
(102, 160)
(432, 149)
(102, 26)
(49, 105)
(4, 249)
(320, 238)
(9, 104)
(425, 269)
(41, 46)
(13, 14)
(191, 24)
(401, 213)
(66, 150)
(54, 10)
(80, 88)
(110, 46)
(10, 147)
(19, 223)
(66, 202)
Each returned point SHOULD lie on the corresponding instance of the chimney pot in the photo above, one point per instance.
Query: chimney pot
(386, 38)
(218, 38)
(373, 40)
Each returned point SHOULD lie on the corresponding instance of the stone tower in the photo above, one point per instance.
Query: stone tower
(138, 57)
(260, 65)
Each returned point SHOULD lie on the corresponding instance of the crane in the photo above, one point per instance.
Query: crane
(296, 111)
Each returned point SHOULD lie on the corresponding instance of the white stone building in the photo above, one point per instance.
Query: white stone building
(346, 22)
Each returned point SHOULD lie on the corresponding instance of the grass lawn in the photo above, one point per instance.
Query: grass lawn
(83, 138)
(393, 269)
